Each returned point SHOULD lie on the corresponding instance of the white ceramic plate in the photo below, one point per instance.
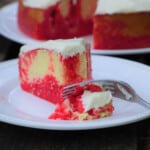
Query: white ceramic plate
(20, 108)
(9, 29)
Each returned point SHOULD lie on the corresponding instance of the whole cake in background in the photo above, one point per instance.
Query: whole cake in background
(122, 24)
(45, 68)
(54, 19)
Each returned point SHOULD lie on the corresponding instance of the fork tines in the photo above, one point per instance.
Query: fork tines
(108, 85)
(67, 90)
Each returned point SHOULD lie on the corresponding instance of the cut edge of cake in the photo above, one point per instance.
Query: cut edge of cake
(45, 68)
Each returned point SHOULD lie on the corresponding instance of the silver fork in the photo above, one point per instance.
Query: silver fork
(118, 89)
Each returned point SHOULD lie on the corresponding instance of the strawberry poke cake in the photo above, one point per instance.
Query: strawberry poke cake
(54, 19)
(45, 68)
(122, 24)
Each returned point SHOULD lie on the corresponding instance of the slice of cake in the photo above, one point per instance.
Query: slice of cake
(53, 19)
(85, 103)
(45, 68)
(122, 24)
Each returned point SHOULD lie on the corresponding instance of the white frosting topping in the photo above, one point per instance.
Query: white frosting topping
(122, 6)
(39, 3)
(95, 99)
(68, 47)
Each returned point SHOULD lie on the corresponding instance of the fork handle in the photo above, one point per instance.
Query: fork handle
(143, 102)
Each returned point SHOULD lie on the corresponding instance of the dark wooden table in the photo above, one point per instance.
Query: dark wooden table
(134, 136)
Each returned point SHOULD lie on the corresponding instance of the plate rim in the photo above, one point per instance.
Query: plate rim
(97, 52)
(47, 126)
